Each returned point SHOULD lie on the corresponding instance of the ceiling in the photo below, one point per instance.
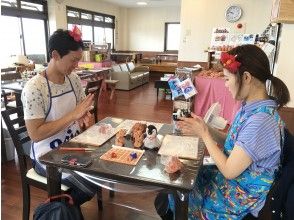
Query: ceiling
(150, 3)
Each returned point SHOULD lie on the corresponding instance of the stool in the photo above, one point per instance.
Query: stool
(112, 85)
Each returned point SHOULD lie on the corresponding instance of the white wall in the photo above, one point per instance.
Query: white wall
(146, 27)
(284, 66)
(201, 16)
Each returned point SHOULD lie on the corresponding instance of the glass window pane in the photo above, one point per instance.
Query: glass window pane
(70, 26)
(98, 35)
(173, 37)
(98, 18)
(109, 36)
(9, 3)
(31, 6)
(11, 43)
(86, 16)
(34, 36)
(108, 20)
(71, 13)
(87, 32)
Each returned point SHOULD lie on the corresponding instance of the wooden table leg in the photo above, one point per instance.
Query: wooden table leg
(53, 181)
(112, 88)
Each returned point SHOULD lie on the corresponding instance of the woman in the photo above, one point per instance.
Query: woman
(252, 147)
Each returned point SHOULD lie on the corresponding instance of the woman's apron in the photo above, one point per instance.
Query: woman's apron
(215, 197)
(59, 106)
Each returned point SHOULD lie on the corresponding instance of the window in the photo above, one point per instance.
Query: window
(25, 25)
(31, 6)
(172, 36)
(95, 27)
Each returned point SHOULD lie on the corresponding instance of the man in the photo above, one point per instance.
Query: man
(55, 105)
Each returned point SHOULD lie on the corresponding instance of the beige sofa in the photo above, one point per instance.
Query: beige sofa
(129, 76)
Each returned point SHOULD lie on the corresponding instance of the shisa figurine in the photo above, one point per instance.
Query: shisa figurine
(138, 131)
(138, 138)
(151, 141)
(173, 165)
(120, 137)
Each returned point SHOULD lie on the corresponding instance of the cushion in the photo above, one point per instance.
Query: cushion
(33, 175)
(124, 67)
(116, 68)
(131, 66)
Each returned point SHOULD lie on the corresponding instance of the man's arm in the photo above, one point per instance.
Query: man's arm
(39, 129)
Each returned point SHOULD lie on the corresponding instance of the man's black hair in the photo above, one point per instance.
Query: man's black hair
(63, 43)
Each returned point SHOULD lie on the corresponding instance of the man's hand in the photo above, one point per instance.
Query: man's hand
(83, 108)
(85, 121)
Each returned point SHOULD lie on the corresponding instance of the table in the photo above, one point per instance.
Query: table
(166, 57)
(148, 172)
(92, 75)
(161, 84)
(112, 85)
(16, 87)
(211, 90)
(125, 57)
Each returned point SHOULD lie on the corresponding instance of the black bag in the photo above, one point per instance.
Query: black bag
(58, 210)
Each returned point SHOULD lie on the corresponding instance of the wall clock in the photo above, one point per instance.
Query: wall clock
(233, 13)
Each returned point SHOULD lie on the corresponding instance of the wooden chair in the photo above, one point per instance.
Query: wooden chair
(15, 123)
(94, 87)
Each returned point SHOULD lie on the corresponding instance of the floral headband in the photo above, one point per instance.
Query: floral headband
(76, 33)
(229, 62)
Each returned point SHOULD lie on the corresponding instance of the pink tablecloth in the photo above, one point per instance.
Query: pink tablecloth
(211, 90)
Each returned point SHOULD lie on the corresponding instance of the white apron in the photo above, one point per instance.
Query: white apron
(59, 106)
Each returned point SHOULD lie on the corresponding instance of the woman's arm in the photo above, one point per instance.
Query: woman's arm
(231, 166)
(217, 135)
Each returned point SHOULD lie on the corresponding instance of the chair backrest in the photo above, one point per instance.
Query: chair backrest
(124, 67)
(94, 87)
(276, 199)
(15, 123)
(116, 68)
(131, 66)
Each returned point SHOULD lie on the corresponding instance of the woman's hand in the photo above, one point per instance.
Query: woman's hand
(83, 107)
(194, 126)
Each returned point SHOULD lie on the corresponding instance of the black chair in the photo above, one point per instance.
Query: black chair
(15, 123)
(279, 195)
(94, 87)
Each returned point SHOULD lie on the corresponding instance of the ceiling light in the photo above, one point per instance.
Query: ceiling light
(141, 3)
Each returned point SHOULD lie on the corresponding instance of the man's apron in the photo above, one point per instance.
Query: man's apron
(59, 106)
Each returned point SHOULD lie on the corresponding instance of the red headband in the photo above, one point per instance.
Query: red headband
(229, 62)
(76, 33)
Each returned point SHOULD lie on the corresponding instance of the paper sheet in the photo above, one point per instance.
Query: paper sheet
(181, 146)
(92, 136)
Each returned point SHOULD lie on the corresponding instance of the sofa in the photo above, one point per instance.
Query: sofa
(129, 75)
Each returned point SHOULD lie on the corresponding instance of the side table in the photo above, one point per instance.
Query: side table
(112, 85)
(161, 84)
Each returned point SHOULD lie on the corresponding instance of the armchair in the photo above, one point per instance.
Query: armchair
(139, 69)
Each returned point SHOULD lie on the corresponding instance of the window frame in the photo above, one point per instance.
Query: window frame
(165, 36)
(32, 14)
(91, 22)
